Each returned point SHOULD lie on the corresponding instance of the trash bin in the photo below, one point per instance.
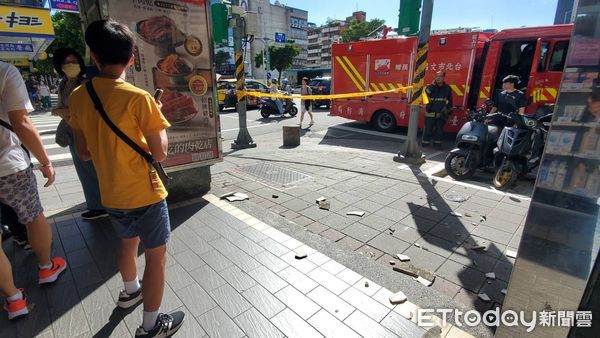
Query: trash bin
(291, 136)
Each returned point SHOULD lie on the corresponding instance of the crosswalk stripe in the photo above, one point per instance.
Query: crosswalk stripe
(54, 158)
(46, 124)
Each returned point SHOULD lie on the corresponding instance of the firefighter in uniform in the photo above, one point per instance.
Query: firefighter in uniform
(437, 111)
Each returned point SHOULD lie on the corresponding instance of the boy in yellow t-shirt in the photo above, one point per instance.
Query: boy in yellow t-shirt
(137, 209)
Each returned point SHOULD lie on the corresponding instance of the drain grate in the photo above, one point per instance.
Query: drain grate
(273, 175)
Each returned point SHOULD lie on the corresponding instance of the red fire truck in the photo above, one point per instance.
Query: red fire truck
(474, 63)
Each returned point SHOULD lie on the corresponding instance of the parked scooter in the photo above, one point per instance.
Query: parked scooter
(475, 144)
(520, 148)
(269, 107)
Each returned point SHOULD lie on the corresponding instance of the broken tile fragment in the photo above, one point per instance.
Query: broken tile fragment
(503, 291)
(478, 247)
(490, 275)
(511, 254)
(417, 245)
(366, 283)
(398, 298)
(457, 214)
(468, 215)
(484, 297)
(424, 281)
(227, 194)
(403, 258)
(356, 213)
(483, 219)
(392, 262)
(301, 255)
(325, 205)
(320, 199)
(275, 196)
(241, 195)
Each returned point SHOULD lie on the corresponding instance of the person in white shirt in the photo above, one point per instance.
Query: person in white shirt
(44, 93)
(18, 186)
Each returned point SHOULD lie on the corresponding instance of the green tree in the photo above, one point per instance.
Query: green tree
(283, 58)
(68, 33)
(358, 30)
(258, 60)
(222, 57)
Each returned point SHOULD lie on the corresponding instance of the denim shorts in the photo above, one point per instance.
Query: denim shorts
(151, 223)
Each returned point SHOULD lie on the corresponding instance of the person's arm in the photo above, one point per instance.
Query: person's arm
(158, 144)
(29, 136)
(60, 109)
(521, 103)
(81, 145)
(449, 98)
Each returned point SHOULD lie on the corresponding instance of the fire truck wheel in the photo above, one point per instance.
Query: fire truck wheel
(384, 121)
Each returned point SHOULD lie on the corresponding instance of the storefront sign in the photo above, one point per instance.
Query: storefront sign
(65, 5)
(29, 22)
(173, 53)
(17, 62)
(16, 47)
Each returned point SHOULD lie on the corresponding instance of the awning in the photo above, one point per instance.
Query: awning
(25, 32)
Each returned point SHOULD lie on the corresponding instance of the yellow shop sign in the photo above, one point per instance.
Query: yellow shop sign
(17, 62)
(27, 22)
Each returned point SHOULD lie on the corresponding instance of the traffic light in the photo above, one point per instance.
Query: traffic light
(220, 23)
(409, 17)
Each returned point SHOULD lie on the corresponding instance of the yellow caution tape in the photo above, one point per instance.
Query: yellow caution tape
(332, 96)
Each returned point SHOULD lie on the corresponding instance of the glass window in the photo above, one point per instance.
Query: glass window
(543, 56)
(559, 55)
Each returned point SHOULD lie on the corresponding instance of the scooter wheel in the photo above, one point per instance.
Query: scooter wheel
(293, 111)
(457, 167)
(506, 176)
(264, 113)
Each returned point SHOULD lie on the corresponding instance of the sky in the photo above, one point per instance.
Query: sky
(498, 14)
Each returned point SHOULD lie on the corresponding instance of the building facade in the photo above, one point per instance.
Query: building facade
(276, 18)
(321, 38)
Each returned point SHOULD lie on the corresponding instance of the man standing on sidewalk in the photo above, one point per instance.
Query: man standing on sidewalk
(437, 111)
(132, 193)
(18, 186)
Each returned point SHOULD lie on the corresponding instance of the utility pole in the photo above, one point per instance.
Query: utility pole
(410, 153)
(244, 140)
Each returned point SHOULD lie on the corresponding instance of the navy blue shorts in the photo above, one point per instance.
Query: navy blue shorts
(151, 223)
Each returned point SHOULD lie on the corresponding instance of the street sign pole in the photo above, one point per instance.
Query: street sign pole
(244, 140)
(410, 153)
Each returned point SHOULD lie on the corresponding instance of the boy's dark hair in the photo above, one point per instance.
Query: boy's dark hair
(512, 79)
(59, 58)
(112, 42)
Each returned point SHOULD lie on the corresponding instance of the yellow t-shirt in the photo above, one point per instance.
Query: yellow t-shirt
(122, 173)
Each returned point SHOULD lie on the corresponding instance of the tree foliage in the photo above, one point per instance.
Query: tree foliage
(282, 58)
(258, 60)
(68, 33)
(358, 30)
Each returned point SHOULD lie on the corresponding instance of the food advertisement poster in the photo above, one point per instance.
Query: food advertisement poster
(173, 53)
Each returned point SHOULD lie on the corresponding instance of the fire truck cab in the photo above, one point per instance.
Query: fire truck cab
(474, 63)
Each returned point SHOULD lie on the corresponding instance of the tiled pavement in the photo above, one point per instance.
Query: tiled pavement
(232, 274)
(404, 208)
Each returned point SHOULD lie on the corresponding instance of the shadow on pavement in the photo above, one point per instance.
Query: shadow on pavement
(452, 235)
(87, 290)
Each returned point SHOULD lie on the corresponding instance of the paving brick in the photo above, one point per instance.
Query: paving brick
(365, 304)
(188, 260)
(366, 326)
(367, 286)
(388, 244)
(208, 278)
(256, 325)
(431, 214)
(377, 222)
(196, 300)
(293, 326)
(264, 301)
(419, 223)
(216, 260)
(333, 267)
(248, 246)
(424, 259)
(446, 287)
(271, 261)
(330, 302)
(230, 300)
(218, 324)
(316, 227)
(454, 232)
(383, 297)
(336, 221)
(350, 243)
(274, 247)
(493, 234)
(332, 235)
(292, 244)
(328, 280)
(476, 260)
(253, 234)
(472, 300)
(437, 245)
(104, 322)
(177, 277)
(191, 328)
(369, 252)
(329, 326)
(471, 279)
(71, 324)
(298, 302)
(401, 326)
(391, 213)
(298, 279)
(318, 258)
(268, 279)
(349, 276)
(296, 204)
(237, 278)
(503, 270)
(303, 265)
(361, 232)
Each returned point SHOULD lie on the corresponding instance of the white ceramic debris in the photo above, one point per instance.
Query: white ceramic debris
(490, 275)
(398, 298)
(511, 254)
(484, 297)
(403, 258)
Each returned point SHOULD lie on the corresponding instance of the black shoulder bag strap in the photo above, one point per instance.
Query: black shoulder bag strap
(165, 178)
(9, 127)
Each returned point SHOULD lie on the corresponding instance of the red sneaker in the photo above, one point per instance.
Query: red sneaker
(48, 276)
(17, 308)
